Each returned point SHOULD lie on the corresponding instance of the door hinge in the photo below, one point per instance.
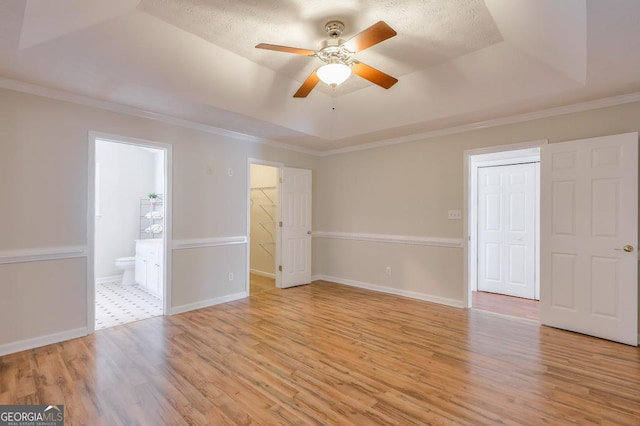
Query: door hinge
(280, 268)
(280, 179)
(280, 223)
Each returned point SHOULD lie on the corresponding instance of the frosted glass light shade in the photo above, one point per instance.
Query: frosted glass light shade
(334, 74)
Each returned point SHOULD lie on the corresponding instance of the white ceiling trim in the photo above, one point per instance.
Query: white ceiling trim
(61, 95)
(33, 89)
(513, 119)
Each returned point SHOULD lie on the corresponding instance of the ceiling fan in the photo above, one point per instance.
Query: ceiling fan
(337, 55)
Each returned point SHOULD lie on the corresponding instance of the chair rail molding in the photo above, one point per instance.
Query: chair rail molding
(393, 239)
(208, 242)
(38, 254)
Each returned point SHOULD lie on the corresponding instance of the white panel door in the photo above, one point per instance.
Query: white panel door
(296, 227)
(589, 215)
(506, 229)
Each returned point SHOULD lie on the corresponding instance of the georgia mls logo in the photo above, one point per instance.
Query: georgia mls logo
(53, 407)
(32, 415)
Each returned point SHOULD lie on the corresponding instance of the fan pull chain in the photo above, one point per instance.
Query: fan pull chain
(333, 99)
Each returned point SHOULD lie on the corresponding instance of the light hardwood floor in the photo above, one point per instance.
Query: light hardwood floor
(258, 284)
(506, 305)
(330, 354)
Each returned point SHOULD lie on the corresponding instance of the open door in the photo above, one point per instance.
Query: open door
(295, 227)
(589, 224)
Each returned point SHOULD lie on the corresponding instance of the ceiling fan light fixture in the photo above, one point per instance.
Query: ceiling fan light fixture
(334, 74)
(337, 57)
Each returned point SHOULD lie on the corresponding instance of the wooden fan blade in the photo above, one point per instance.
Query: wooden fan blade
(286, 49)
(307, 86)
(373, 75)
(371, 36)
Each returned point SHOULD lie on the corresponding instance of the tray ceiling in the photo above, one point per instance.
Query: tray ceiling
(457, 61)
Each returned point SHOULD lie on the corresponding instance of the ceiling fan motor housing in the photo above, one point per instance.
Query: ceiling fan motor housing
(332, 49)
(334, 28)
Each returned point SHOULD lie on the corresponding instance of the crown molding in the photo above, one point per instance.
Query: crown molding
(513, 119)
(61, 95)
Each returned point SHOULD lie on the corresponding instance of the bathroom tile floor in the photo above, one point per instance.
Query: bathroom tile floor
(118, 304)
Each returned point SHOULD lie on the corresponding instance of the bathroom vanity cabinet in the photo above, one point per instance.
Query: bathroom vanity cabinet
(149, 265)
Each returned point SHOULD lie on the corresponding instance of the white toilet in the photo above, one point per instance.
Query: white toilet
(127, 264)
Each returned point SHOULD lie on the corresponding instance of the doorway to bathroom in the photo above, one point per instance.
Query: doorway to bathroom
(263, 217)
(129, 230)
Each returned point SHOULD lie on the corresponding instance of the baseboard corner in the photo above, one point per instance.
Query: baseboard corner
(389, 290)
(207, 303)
(36, 342)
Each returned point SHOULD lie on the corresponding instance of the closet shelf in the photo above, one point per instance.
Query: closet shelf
(262, 246)
(267, 213)
(268, 230)
(262, 189)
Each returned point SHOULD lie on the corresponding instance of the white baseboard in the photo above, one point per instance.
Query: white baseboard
(411, 294)
(209, 302)
(110, 279)
(263, 273)
(36, 342)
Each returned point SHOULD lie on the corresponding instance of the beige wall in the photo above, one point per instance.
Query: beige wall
(43, 199)
(406, 190)
(397, 190)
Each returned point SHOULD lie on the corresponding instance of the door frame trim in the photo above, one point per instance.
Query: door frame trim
(93, 136)
(468, 214)
(279, 166)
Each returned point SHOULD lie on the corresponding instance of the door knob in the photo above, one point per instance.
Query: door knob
(628, 248)
(308, 232)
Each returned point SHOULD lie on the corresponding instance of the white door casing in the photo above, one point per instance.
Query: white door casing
(506, 229)
(296, 227)
(502, 155)
(589, 213)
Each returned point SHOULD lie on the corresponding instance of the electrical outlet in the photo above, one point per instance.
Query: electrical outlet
(230, 276)
(387, 270)
(454, 215)
(230, 171)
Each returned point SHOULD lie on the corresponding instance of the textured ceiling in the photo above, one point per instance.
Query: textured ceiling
(445, 30)
(457, 61)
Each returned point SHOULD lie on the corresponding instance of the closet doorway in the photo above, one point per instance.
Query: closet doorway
(263, 230)
(503, 231)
